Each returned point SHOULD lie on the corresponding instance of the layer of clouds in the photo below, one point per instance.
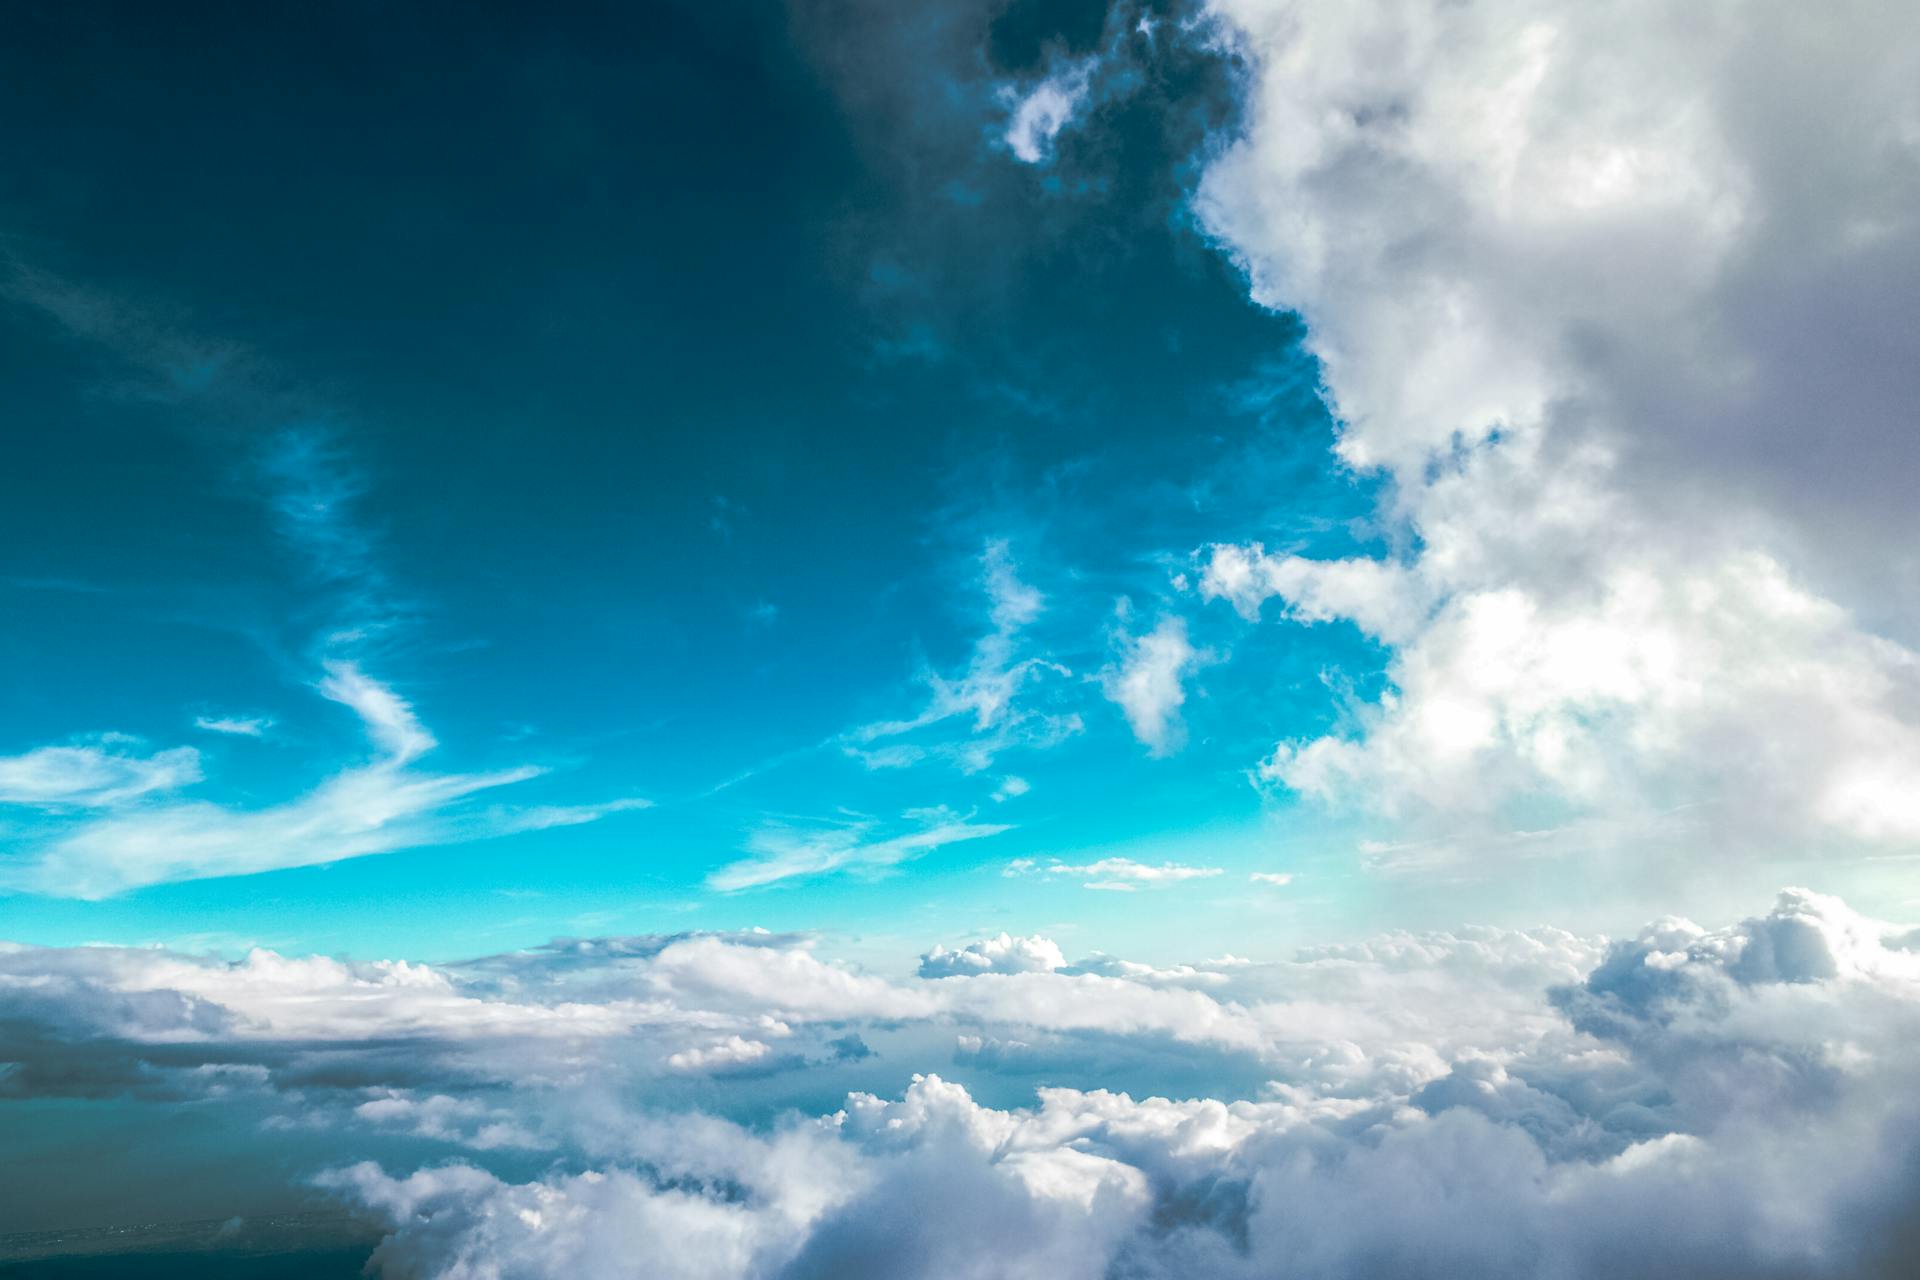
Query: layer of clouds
(1621, 304)
(1734, 1094)
(1488, 1102)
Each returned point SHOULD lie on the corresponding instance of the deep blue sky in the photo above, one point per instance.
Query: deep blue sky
(669, 373)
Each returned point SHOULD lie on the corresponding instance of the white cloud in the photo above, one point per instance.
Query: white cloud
(1040, 113)
(1738, 1094)
(238, 726)
(1121, 874)
(388, 717)
(377, 807)
(1278, 879)
(1497, 1101)
(1373, 594)
(1001, 954)
(1591, 291)
(107, 772)
(729, 1054)
(1148, 683)
(782, 852)
(1011, 787)
(987, 695)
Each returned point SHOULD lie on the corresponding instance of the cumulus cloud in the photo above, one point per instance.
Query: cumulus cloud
(1499, 1100)
(1148, 683)
(1001, 954)
(1697, 1086)
(1594, 294)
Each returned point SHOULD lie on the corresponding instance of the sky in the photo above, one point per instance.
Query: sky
(668, 634)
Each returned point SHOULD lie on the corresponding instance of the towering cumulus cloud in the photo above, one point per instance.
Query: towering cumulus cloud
(1621, 300)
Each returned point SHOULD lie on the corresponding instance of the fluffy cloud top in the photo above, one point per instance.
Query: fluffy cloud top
(1620, 302)
(1001, 954)
(1702, 1085)
(1500, 1102)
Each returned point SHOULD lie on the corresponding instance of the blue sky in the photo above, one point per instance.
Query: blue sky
(670, 457)
(987, 637)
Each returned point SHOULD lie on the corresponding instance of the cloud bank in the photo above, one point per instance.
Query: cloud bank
(1686, 1101)
(1620, 304)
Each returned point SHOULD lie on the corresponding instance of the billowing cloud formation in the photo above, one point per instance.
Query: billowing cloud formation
(1621, 302)
(1664, 1108)
(1499, 1102)
(1001, 954)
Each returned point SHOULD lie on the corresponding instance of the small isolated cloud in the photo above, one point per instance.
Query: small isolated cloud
(1119, 875)
(729, 1054)
(1147, 682)
(1278, 879)
(109, 771)
(237, 726)
(1043, 111)
(1002, 954)
(783, 852)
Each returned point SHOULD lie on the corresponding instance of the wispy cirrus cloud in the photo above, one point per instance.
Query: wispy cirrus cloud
(782, 852)
(109, 770)
(235, 726)
(1114, 875)
(985, 698)
(375, 807)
